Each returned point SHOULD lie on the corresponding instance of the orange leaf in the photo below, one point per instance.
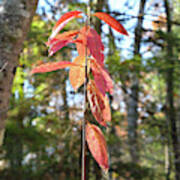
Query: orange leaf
(77, 73)
(60, 41)
(106, 113)
(67, 34)
(99, 104)
(63, 36)
(63, 21)
(101, 77)
(52, 66)
(81, 42)
(90, 39)
(97, 145)
(111, 22)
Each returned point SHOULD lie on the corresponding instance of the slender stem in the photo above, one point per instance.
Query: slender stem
(83, 170)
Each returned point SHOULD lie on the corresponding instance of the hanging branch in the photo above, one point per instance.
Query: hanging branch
(90, 49)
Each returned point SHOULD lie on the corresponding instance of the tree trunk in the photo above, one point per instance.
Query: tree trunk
(15, 19)
(132, 102)
(170, 110)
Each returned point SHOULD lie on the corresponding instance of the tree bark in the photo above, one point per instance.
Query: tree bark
(132, 102)
(15, 20)
(170, 110)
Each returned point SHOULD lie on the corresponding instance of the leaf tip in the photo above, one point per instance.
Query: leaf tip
(105, 169)
(126, 33)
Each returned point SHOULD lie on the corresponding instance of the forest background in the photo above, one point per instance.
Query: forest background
(42, 137)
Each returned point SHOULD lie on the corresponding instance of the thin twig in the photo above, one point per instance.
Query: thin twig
(4, 66)
(83, 170)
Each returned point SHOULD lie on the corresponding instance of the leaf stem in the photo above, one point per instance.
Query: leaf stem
(83, 158)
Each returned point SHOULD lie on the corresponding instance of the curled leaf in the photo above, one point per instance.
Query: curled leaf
(57, 45)
(97, 145)
(52, 66)
(99, 104)
(60, 41)
(102, 79)
(111, 22)
(63, 21)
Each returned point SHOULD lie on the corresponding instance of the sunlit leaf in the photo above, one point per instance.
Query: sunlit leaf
(77, 73)
(53, 66)
(111, 22)
(106, 113)
(63, 21)
(97, 145)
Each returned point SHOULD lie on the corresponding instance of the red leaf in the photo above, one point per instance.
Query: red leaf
(52, 66)
(95, 45)
(58, 44)
(89, 38)
(97, 145)
(60, 41)
(101, 77)
(63, 21)
(77, 73)
(99, 104)
(111, 22)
